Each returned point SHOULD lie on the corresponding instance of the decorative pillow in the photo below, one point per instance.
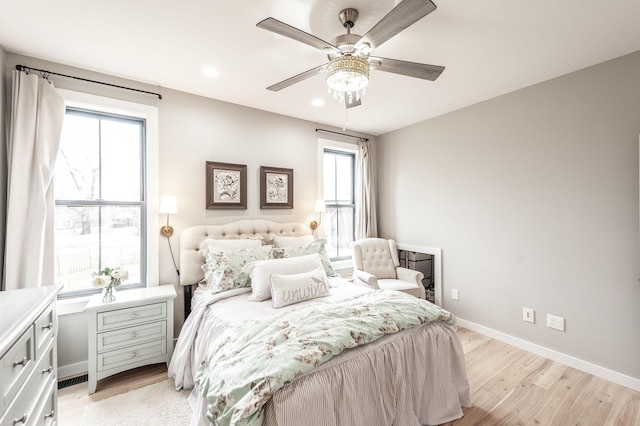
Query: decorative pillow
(209, 245)
(260, 272)
(214, 244)
(302, 241)
(223, 268)
(315, 247)
(295, 288)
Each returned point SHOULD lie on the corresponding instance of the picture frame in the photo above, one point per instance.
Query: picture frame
(226, 186)
(276, 188)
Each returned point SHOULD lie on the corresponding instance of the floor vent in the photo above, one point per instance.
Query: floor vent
(73, 381)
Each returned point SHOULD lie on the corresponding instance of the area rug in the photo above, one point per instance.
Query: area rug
(157, 404)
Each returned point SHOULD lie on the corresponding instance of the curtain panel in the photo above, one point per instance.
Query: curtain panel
(366, 225)
(37, 113)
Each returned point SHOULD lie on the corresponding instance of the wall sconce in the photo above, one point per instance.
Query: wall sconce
(320, 208)
(168, 206)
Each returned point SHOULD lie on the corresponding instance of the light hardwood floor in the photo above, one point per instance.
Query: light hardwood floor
(509, 386)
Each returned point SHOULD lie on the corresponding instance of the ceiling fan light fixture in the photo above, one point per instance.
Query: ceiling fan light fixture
(347, 77)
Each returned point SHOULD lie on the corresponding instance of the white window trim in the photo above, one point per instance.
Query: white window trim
(339, 146)
(150, 114)
(329, 144)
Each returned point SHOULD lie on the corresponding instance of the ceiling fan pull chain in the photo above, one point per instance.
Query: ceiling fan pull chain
(346, 119)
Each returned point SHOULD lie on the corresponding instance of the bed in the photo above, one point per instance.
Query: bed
(412, 372)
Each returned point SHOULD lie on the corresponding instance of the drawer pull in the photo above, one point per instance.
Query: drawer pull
(134, 316)
(22, 420)
(51, 414)
(48, 326)
(22, 362)
(48, 370)
(133, 354)
(134, 335)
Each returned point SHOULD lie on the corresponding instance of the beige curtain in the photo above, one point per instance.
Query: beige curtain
(366, 218)
(37, 113)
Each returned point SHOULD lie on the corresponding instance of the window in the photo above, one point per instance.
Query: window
(338, 176)
(99, 190)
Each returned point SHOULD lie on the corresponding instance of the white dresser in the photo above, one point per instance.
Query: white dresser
(135, 330)
(28, 356)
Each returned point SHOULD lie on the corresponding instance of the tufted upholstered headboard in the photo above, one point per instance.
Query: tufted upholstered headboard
(190, 259)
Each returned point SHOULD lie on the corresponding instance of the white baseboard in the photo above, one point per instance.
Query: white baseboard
(73, 370)
(578, 364)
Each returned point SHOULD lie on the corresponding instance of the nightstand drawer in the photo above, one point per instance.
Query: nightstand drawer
(44, 328)
(131, 316)
(115, 339)
(131, 355)
(15, 366)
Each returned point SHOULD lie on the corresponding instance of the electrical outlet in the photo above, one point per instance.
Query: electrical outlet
(455, 295)
(555, 322)
(529, 315)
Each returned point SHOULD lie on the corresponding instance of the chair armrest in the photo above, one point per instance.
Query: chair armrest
(412, 276)
(365, 278)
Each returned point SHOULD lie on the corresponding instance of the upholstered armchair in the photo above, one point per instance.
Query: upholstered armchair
(376, 265)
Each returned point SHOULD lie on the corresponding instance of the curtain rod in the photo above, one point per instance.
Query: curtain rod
(45, 72)
(342, 134)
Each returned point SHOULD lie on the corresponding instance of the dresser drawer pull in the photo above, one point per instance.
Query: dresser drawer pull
(22, 362)
(134, 316)
(48, 326)
(48, 370)
(51, 414)
(134, 335)
(133, 354)
(22, 420)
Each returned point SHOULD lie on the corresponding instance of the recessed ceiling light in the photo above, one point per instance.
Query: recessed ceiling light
(211, 72)
(317, 102)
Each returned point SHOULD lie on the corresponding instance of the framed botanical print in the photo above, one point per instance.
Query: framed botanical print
(226, 186)
(276, 188)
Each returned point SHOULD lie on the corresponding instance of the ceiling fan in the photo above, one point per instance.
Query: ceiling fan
(347, 71)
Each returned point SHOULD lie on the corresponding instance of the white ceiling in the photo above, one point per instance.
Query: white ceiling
(489, 48)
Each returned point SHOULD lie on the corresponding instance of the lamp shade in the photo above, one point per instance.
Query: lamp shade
(168, 204)
(320, 207)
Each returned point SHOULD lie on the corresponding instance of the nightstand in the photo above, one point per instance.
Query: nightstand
(135, 330)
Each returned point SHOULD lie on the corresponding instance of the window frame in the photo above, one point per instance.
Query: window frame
(339, 148)
(149, 218)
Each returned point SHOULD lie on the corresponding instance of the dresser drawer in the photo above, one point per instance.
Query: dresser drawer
(45, 370)
(15, 366)
(131, 355)
(45, 412)
(110, 340)
(45, 328)
(23, 410)
(131, 316)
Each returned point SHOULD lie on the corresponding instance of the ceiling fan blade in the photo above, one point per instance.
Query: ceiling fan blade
(297, 78)
(410, 69)
(287, 30)
(406, 13)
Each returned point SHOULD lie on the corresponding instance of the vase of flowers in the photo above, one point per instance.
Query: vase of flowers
(109, 279)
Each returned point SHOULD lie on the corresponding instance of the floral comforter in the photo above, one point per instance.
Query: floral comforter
(246, 365)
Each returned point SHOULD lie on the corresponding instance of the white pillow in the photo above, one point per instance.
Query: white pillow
(296, 288)
(261, 271)
(301, 241)
(213, 244)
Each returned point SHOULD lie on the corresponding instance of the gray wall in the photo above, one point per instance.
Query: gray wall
(533, 197)
(192, 130)
(4, 137)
